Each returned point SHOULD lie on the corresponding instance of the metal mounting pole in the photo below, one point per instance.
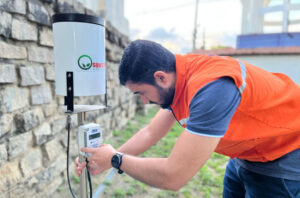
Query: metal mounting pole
(83, 177)
(81, 110)
(195, 26)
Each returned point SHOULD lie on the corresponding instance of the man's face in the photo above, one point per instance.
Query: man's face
(153, 94)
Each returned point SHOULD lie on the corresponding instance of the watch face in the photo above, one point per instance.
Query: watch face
(115, 161)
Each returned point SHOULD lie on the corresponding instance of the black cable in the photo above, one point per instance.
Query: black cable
(88, 172)
(68, 177)
(89, 178)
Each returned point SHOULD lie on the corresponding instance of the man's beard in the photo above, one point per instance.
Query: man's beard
(166, 95)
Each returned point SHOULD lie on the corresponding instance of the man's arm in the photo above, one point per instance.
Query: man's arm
(187, 157)
(137, 144)
(210, 113)
(149, 135)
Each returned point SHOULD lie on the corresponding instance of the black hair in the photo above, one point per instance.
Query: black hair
(141, 59)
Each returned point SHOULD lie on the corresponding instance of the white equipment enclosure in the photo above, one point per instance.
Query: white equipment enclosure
(79, 47)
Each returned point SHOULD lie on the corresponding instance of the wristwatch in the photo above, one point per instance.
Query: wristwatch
(116, 161)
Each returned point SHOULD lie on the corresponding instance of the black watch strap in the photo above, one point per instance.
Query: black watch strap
(116, 162)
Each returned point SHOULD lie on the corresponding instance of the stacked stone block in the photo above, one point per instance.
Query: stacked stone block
(32, 124)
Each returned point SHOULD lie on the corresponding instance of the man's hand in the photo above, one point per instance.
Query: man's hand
(99, 161)
(79, 166)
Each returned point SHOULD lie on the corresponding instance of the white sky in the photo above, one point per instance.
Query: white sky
(174, 19)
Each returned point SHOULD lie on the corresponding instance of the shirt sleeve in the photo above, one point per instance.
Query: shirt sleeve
(212, 108)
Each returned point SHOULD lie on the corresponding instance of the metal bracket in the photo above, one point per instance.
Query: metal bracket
(69, 99)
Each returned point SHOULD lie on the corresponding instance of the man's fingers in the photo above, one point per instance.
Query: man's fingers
(78, 173)
(78, 170)
(92, 150)
(77, 161)
(88, 150)
(90, 159)
(94, 171)
(80, 166)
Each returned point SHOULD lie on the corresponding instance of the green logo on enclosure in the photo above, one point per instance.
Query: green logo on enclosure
(85, 62)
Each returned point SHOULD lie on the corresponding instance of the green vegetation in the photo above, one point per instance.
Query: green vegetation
(75, 179)
(219, 47)
(59, 189)
(119, 193)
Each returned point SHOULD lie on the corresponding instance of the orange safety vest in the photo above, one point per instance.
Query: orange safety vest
(266, 124)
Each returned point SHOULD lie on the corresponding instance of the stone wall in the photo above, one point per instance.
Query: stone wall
(32, 124)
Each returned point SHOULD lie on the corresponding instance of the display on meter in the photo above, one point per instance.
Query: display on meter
(89, 135)
(94, 136)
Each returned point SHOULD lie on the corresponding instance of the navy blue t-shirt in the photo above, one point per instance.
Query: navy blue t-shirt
(211, 111)
(212, 108)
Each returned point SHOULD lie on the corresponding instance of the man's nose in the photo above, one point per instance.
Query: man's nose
(144, 99)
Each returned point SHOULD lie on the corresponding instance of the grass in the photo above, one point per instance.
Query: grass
(207, 183)
(119, 193)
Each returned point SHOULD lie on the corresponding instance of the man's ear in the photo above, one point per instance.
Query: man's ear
(161, 78)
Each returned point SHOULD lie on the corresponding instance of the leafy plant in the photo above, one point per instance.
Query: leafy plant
(119, 193)
(75, 179)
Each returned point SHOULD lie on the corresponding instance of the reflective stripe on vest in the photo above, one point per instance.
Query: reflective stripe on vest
(244, 75)
(241, 88)
(183, 121)
(266, 124)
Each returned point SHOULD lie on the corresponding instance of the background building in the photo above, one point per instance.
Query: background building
(270, 36)
(110, 10)
(270, 23)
